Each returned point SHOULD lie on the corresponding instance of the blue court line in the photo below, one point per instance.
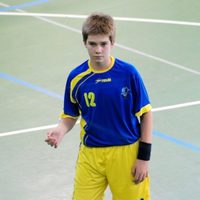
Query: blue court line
(30, 86)
(177, 141)
(57, 96)
(24, 5)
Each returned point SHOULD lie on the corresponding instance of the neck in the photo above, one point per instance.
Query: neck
(101, 66)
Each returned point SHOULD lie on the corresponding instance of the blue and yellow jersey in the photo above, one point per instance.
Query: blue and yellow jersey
(109, 103)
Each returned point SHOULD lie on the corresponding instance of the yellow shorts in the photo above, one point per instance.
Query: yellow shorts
(99, 167)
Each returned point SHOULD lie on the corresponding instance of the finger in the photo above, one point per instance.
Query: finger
(136, 177)
(48, 137)
(139, 178)
(48, 140)
(51, 141)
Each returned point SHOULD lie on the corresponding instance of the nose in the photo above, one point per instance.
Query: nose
(98, 49)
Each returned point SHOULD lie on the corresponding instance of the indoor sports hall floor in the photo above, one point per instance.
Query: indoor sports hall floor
(161, 38)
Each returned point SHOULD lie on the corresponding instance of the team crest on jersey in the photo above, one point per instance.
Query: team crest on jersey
(125, 91)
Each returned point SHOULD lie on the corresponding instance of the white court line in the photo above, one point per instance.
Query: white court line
(54, 125)
(117, 45)
(4, 5)
(158, 59)
(182, 105)
(22, 12)
(120, 46)
(30, 130)
(127, 19)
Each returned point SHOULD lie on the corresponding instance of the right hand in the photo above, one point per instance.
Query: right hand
(54, 136)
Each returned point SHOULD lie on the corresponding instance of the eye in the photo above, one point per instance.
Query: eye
(103, 44)
(93, 44)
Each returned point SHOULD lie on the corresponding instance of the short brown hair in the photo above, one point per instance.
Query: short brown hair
(99, 23)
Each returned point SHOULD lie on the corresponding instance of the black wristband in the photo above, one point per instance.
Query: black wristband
(144, 151)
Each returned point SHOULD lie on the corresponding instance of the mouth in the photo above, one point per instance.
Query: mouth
(98, 57)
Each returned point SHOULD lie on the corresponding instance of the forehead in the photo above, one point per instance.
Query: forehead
(98, 38)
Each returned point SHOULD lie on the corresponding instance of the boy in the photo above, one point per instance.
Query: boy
(116, 119)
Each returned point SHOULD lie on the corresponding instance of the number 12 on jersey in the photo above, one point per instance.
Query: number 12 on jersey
(90, 99)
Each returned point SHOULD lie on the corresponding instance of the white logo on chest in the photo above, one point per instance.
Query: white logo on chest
(105, 80)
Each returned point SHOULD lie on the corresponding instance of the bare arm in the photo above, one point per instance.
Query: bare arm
(55, 135)
(140, 169)
(146, 127)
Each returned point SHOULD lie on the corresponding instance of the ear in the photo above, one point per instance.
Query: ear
(112, 44)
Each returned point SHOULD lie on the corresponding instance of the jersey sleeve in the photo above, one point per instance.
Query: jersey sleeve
(70, 108)
(141, 98)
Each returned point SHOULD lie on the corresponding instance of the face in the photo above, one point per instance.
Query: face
(99, 47)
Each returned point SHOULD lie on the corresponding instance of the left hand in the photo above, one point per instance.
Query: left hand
(140, 170)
